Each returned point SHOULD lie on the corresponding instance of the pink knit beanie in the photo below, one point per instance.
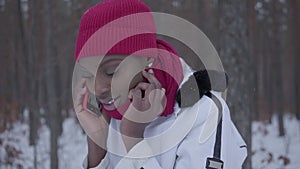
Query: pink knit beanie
(127, 27)
(110, 10)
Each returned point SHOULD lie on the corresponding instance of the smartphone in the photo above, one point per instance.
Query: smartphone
(91, 104)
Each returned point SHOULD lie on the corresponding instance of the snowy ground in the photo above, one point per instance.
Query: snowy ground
(273, 152)
(269, 150)
(72, 147)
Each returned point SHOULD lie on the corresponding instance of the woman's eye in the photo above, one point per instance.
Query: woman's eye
(111, 72)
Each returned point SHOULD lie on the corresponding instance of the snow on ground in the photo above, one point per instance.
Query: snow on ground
(269, 150)
(73, 148)
(15, 151)
(273, 152)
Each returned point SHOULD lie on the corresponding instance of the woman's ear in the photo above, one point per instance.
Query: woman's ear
(150, 62)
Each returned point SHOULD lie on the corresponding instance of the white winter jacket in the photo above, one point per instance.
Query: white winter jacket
(182, 140)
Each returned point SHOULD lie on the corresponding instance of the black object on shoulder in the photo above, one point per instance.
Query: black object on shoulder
(194, 89)
(199, 85)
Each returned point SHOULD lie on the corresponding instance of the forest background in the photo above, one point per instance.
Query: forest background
(258, 42)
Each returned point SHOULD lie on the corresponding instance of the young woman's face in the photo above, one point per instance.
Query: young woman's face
(115, 77)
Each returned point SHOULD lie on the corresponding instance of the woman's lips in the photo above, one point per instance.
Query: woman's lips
(109, 104)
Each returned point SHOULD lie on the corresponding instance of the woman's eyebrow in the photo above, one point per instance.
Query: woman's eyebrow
(110, 60)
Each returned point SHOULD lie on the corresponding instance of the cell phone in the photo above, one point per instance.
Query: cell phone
(91, 104)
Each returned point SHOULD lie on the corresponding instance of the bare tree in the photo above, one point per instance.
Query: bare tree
(52, 83)
(234, 52)
(294, 49)
(253, 52)
(276, 50)
(262, 62)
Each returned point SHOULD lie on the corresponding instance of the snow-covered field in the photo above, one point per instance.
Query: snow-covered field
(269, 150)
(273, 152)
(72, 147)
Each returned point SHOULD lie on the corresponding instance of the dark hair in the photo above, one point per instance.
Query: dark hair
(199, 84)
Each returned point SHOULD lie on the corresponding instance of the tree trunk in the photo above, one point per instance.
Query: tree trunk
(276, 70)
(234, 52)
(253, 52)
(30, 64)
(294, 49)
(52, 87)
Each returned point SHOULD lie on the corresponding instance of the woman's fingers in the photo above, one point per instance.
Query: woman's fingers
(148, 105)
(95, 127)
(137, 93)
(146, 87)
(143, 86)
(80, 92)
(152, 96)
(90, 122)
(137, 99)
(146, 110)
(154, 84)
(151, 78)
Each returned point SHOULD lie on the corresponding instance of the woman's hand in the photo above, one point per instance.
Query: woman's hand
(95, 127)
(90, 123)
(148, 102)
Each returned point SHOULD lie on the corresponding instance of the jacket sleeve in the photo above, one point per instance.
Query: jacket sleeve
(194, 150)
(198, 144)
(234, 150)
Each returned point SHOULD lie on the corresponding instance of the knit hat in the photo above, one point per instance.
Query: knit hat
(127, 27)
(118, 34)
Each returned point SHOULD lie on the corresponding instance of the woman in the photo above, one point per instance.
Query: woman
(142, 86)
